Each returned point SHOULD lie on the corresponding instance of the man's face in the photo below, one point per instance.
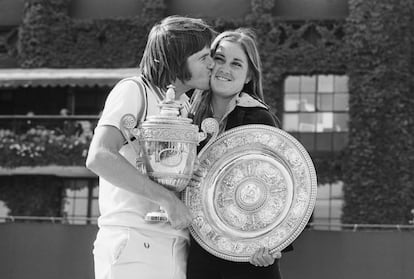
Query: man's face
(200, 65)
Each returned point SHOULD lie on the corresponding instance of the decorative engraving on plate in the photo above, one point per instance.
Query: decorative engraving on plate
(251, 195)
(257, 189)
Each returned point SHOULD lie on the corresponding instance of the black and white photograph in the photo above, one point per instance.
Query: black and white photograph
(218, 139)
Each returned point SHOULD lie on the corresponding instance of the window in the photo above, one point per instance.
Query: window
(81, 202)
(216, 8)
(104, 9)
(50, 100)
(11, 12)
(316, 111)
(4, 211)
(315, 9)
(328, 207)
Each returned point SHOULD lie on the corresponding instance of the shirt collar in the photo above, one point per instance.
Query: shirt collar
(184, 98)
(245, 100)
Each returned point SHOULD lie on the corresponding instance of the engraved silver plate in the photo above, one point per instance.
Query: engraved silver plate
(256, 187)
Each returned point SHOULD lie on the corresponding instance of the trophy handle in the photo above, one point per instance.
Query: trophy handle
(128, 129)
(209, 126)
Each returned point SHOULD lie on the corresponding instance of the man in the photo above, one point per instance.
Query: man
(177, 53)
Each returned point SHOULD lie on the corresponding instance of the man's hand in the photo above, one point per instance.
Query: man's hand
(262, 257)
(178, 214)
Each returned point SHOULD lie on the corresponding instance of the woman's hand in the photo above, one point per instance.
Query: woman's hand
(262, 257)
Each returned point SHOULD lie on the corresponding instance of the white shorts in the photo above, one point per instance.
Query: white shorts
(126, 253)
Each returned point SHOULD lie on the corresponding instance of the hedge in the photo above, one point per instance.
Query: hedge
(378, 176)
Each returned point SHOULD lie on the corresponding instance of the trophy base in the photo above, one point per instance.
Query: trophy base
(156, 217)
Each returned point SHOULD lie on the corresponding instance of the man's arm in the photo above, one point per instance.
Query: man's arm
(105, 160)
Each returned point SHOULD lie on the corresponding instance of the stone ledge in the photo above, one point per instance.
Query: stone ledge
(62, 171)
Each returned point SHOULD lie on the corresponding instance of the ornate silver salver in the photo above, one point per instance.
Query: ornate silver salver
(255, 187)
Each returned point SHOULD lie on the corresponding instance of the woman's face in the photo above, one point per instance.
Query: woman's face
(230, 71)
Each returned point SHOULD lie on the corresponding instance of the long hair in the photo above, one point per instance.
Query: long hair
(246, 38)
(169, 44)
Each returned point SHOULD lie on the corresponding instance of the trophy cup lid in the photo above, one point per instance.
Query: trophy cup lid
(169, 111)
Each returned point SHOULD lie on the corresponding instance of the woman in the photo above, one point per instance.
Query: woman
(235, 98)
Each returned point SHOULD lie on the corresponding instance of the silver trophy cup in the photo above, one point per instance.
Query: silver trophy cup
(167, 147)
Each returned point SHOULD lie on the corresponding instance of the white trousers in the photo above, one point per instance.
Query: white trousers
(127, 253)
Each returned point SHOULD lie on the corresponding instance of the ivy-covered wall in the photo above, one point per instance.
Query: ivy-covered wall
(49, 37)
(379, 172)
(373, 46)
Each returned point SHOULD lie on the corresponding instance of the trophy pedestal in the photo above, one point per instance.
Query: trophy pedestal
(156, 217)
